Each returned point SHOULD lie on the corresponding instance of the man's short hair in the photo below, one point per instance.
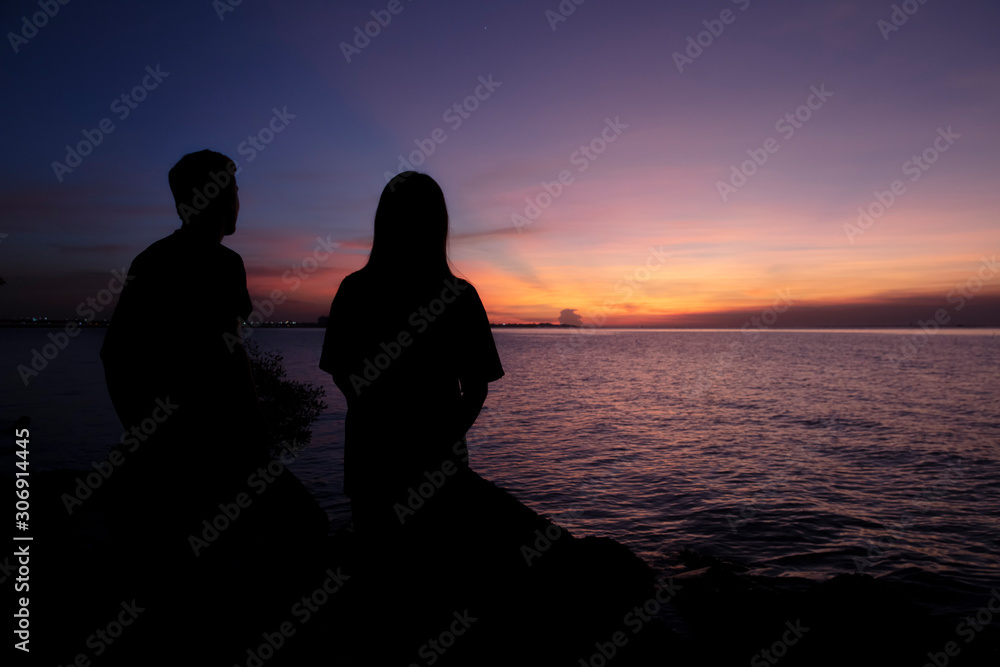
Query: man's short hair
(200, 182)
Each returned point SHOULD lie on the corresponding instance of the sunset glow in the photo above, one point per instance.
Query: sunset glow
(805, 151)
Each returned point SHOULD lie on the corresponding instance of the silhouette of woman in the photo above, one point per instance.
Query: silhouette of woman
(410, 346)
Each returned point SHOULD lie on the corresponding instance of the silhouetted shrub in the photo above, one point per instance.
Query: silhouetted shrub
(289, 407)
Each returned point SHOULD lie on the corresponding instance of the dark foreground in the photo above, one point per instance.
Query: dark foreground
(478, 579)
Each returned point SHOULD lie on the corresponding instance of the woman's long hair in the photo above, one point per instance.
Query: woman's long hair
(411, 230)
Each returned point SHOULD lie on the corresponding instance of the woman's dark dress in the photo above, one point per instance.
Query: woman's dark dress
(401, 353)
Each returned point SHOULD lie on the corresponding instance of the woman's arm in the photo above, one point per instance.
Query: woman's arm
(338, 342)
(479, 363)
(473, 397)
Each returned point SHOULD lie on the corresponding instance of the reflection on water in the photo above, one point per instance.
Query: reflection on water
(806, 453)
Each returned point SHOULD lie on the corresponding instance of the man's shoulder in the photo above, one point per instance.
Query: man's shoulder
(156, 251)
(171, 250)
(230, 255)
(162, 245)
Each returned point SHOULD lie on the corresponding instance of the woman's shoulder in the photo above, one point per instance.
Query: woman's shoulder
(355, 277)
(459, 285)
(359, 280)
(450, 289)
(455, 289)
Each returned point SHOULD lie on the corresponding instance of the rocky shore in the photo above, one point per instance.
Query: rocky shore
(477, 579)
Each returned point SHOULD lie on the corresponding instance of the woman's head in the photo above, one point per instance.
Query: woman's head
(411, 227)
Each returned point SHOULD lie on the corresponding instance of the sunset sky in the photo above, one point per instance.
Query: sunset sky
(653, 223)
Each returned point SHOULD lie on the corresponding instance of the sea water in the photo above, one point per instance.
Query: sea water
(792, 453)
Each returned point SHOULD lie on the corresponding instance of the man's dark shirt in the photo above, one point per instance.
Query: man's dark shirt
(175, 334)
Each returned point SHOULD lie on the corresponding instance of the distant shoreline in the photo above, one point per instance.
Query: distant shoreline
(44, 323)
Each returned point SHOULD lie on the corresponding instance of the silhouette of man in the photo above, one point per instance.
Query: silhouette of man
(176, 370)
(181, 383)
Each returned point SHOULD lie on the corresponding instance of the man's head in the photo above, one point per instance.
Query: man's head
(204, 188)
